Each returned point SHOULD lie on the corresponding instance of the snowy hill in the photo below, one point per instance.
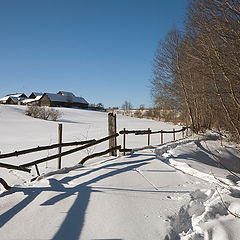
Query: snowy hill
(170, 191)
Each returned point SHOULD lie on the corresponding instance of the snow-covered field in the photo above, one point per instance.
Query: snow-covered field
(170, 191)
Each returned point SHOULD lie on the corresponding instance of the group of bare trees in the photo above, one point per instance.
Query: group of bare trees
(45, 113)
(198, 72)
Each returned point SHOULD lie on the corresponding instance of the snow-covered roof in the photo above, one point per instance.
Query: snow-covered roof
(17, 95)
(4, 99)
(29, 100)
(62, 96)
(37, 94)
(55, 97)
(64, 93)
(38, 97)
(14, 98)
(65, 98)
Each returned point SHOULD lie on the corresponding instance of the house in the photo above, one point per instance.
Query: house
(62, 99)
(9, 100)
(33, 99)
(33, 95)
(13, 98)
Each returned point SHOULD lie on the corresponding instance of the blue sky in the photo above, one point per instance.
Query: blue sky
(99, 49)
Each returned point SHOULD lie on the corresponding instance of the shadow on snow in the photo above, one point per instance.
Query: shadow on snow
(72, 225)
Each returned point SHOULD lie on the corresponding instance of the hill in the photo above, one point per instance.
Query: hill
(170, 191)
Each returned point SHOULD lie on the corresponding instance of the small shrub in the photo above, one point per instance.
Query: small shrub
(43, 113)
(138, 114)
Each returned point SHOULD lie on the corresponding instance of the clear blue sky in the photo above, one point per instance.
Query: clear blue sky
(99, 49)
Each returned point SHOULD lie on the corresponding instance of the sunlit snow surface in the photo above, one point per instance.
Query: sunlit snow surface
(170, 191)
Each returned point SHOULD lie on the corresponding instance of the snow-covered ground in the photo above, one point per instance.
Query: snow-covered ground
(177, 190)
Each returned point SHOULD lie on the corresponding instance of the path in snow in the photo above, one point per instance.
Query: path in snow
(120, 198)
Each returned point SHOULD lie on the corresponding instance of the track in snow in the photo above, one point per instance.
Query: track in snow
(99, 201)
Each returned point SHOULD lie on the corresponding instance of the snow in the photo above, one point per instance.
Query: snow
(172, 191)
(29, 100)
(214, 213)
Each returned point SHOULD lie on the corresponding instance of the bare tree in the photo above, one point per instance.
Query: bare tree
(126, 106)
(198, 72)
(168, 86)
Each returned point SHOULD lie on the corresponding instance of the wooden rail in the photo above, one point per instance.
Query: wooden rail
(148, 132)
(99, 154)
(68, 152)
(41, 148)
(143, 132)
(9, 166)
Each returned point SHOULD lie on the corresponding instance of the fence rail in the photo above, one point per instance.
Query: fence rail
(86, 144)
(25, 167)
(148, 132)
(100, 154)
(42, 148)
(143, 132)
(9, 166)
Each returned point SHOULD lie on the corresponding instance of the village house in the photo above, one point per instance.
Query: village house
(13, 98)
(33, 95)
(60, 99)
(33, 99)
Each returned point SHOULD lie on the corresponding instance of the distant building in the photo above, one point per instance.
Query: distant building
(16, 98)
(60, 99)
(34, 95)
(17, 95)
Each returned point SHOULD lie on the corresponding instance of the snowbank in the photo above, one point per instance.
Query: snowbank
(211, 214)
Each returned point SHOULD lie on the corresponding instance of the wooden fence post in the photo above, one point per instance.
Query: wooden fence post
(60, 145)
(124, 141)
(221, 139)
(161, 137)
(149, 133)
(112, 129)
(183, 130)
(174, 135)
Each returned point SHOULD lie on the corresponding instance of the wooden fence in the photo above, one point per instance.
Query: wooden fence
(148, 132)
(113, 148)
(59, 155)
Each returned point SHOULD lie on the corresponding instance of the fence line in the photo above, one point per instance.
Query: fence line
(68, 152)
(148, 132)
(86, 144)
(9, 166)
(42, 148)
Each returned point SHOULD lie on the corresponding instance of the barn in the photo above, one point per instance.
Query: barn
(62, 99)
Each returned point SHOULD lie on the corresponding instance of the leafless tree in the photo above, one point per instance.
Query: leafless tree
(198, 72)
(126, 106)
